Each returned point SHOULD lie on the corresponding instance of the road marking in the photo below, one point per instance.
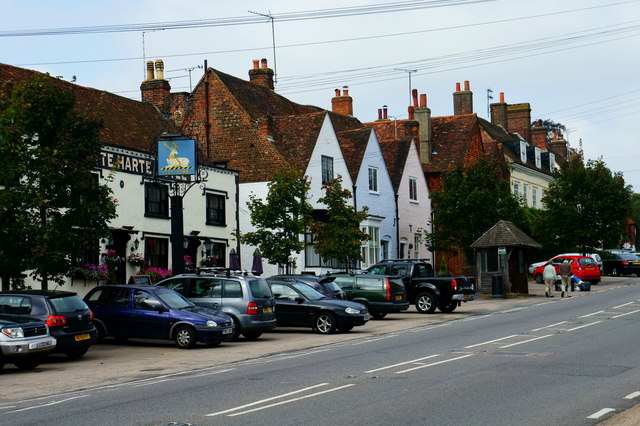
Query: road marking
(373, 339)
(490, 341)
(212, 373)
(48, 404)
(601, 413)
(620, 306)
(292, 400)
(632, 395)
(402, 363)
(526, 341)
(511, 310)
(627, 313)
(549, 326)
(593, 313)
(266, 400)
(434, 363)
(583, 326)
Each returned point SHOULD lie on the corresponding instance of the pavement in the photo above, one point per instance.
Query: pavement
(111, 363)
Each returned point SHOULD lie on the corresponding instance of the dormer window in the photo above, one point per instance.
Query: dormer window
(552, 161)
(538, 157)
(523, 151)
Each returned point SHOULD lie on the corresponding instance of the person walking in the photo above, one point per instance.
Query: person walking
(549, 275)
(565, 276)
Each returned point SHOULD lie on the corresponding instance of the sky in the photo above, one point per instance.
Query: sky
(575, 62)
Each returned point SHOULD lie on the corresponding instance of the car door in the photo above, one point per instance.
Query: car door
(113, 309)
(206, 292)
(149, 318)
(289, 310)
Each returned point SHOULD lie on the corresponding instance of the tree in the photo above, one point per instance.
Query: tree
(471, 201)
(52, 210)
(281, 219)
(586, 207)
(339, 237)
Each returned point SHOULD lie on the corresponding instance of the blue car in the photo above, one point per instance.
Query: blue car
(150, 312)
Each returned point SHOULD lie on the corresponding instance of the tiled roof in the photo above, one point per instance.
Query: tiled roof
(504, 234)
(353, 144)
(295, 137)
(127, 123)
(452, 138)
(395, 154)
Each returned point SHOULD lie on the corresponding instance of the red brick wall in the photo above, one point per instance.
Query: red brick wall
(520, 120)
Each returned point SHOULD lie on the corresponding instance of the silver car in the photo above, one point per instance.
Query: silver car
(24, 341)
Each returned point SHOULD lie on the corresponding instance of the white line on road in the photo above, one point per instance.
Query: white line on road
(583, 326)
(632, 395)
(511, 310)
(549, 326)
(434, 363)
(266, 400)
(601, 413)
(593, 313)
(211, 373)
(490, 341)
(374, 339)
(620, 306)
(402, 363)
(526, 341)
(627, 313)
(292, 400)
(48, 404)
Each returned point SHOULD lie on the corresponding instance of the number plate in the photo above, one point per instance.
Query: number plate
(227, 330)
(398, 297)
(80, 337)
(468, 296)
(40, 344)
(266, 310)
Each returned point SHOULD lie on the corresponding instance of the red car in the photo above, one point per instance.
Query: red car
(582, 267)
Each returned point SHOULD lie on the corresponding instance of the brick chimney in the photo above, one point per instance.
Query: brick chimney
(156, 90)
(519, 120)
(261, 74)
(499, 114)
(539, 136)
(559, 146)
(462, 100)
(342, 103)
(422, 115)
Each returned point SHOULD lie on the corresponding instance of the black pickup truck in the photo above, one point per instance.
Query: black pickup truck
(425, 290)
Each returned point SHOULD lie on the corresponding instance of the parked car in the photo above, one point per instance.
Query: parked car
(152, 312)
(322, 283)
(534, 265)
(594, 256)
(298, 305)
(247, 300)
(616, 264)
(381, 294)
(24, 342)
(69, 319)
(582, 267)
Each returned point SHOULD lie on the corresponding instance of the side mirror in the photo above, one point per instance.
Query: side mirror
(300, 300)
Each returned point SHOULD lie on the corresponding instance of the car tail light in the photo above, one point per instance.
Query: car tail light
(388, 288)
(56, 321)
(91, 317)
(252, 308)
(624, 262)
(454, 285)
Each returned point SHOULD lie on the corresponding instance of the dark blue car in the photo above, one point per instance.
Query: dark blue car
(150, 312)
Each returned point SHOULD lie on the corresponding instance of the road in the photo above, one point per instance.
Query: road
(529, 361)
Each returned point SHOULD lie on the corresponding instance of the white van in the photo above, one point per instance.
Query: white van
(594, 256)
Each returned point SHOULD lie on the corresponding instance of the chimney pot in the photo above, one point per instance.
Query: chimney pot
(264, 62)
(256, 64)
(379, 114)
(423, 100)
(150, 70)
(466, 85)
(384, 112)
(411, 110)
(159, 69)
(414, 95)
(345, 90)
(457, 87)
(337, 92)
(501, 97)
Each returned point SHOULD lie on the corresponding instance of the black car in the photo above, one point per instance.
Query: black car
(69, 319)
(616, 264)
(324, 284)
(298, 305)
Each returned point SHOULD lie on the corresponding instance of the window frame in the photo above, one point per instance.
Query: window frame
(158, 208)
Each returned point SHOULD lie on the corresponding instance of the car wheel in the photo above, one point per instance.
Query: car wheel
(345, 328)
(185, 337)
(252, 335)
(449, 308)
(101, 333)
(325, 323)
(614, 271)
(426, 303)
(28, 363)
(76, 354)
(539, 279)
(379, 315)
(237, 330)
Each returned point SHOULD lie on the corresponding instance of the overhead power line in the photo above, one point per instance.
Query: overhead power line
(340, 12)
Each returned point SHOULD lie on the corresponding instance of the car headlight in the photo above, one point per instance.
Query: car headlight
(352, 311)
(212, 323)
(13, 332)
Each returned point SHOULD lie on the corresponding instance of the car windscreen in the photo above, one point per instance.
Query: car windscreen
(629, 257)
(308, 292)
(15, 305)
(173, 299)
(331, 286)
(586, 261)
(377, 270)
(260, 289)
(68, 304)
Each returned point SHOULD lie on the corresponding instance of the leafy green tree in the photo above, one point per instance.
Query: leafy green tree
(51, 211)
(340, 237)
(281, 219)
(471, 201)
(585, 208)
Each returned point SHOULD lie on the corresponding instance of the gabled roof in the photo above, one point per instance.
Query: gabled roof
(395, 153)
(127, 123)
(504, 234)
(353, 144)
(452, 139)
(295, 137)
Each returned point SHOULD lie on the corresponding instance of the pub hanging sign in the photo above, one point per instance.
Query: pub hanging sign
(176, 157)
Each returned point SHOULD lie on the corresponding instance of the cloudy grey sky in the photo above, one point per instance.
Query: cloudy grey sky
(575, 61)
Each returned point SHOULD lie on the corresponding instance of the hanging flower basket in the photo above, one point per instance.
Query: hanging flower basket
(209, 261)
(136, 259)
